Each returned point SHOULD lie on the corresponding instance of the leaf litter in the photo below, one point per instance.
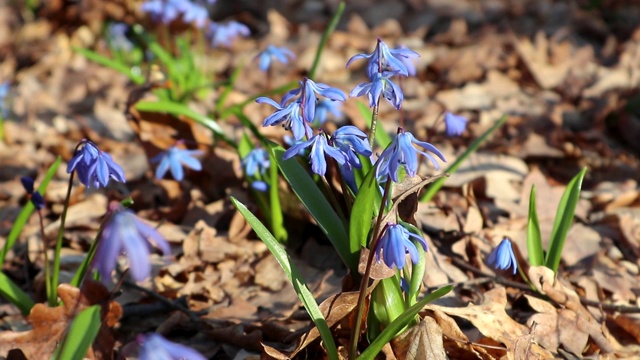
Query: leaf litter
(566, 87)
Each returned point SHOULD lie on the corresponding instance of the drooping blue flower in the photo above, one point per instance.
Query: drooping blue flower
(290, 116)
(125, 233)
(34, 196)
(117, 36)
(380, 85)
(454, 124)
(401, 152)
(309, 92)
(156, 347)
(502, 256)
(383, 59)
(395, 243)
(173, 159)
(325, 107)
(94, 166)
(164, 11)
(319, 147)
(352, 142)
(4, 95)
(271, 53)
(256, 162)
(223, 34)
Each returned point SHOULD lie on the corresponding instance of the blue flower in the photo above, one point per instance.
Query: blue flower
(271, 53)
(455, 124)
(195, 14)
(290, 116)
(380, 84)
(223, 34)
(395, 243)
(254, 164)
(155, 347)
(94, 167)
(400, 152)
(309, 92)
(35, 196)
(383, 59)
(173, 159)
(319, 147)
(4, 94)
(502, 256)
(125, 233)
(407, 59)
(325, 107)
(352, 142)
(117, 35)
(164, 11)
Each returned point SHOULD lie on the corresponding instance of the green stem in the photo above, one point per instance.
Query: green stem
(325, 36)
(47, 275)
(355, 332)
(374, 123)
(56, 256)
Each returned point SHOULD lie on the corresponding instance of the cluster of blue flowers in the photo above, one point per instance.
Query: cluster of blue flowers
(197, 14)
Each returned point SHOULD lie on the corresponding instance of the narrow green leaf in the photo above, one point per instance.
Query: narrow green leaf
(382, 138)
(12, 292)
(325, 36)
(563, 221)
(365, 207)
(26, 211)
(105, 61)
(387, 302)
(436, 185)
(82, 333)
(294, 277)
(316, 203)
(398, 324)
(180, 109)
(275, 215)
(534, 239)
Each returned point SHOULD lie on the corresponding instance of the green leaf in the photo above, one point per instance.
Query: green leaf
(26, 211)
(316, 203)
(382, 138)
(275, 211)
(436, 185)
(387, 302)
(110, 63)
(534, 239)
(325, 36)
(294, 277)
(12, 292)
(563, 221)
(82, 333)
(365, 207)
(398, 324)
(180, 109)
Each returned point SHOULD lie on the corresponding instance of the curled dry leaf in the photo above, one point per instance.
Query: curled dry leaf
(50, 324)
(423, 341)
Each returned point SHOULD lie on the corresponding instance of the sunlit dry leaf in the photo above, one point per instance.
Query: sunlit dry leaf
(379, 270)
(422, 341)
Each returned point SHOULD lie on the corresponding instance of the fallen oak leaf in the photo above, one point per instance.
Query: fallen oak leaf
(49, 325)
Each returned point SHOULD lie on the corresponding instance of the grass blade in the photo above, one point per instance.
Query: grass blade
(563, 221)
(12, 292)
(110, 63)
(294, 277)
(82, 333)
(534, 239)
(325, 36)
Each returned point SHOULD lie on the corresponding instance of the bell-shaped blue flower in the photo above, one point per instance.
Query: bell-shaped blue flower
(94, 166)
(174, 159)
(454, 124)
(395, 243)
(401, 152)
(271, 53)
(383, 59)
(125, 233)
(256, 163)
(309, 92)
(502, 256)
(324, 108)
(290, 116)
(380, 85)
(319, 147)
(223, 34)
(352, 142)
(34, 195)
(155, 347)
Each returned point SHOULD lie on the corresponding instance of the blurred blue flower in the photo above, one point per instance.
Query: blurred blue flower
(271, 53)
(408, 59)
(223, 34)
(173, 159)
(34, 196)
(454, 124)
(325, 107)
(319, 147)
(94, 166)
(4, 95)
(156, 347)
(380, 84)
(502, 256)
(395, 243)
(256, 162)
(383, 59)
(125, 233)
(117, 36)
(352, 142)
(290, 116)
(309, 92)
(164, 11)
(400, 152)
(195, 14)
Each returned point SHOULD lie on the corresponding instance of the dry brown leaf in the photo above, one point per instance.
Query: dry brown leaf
(50, 324)
(423, 341)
